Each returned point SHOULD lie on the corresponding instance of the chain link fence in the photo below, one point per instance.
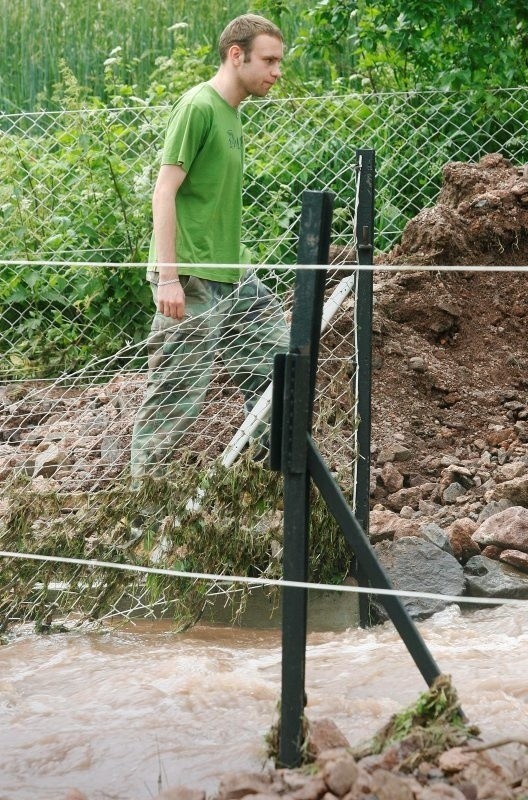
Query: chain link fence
(75, 210)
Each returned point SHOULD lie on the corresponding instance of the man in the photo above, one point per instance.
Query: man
(197, 208)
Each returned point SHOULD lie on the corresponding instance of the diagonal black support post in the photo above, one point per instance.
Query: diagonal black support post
(294, 378)
(359, 542)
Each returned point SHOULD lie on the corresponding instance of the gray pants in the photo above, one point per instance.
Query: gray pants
(243, 322)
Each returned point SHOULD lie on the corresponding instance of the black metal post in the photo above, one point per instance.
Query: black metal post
(297, 373)
(365, 166)
(295, 454)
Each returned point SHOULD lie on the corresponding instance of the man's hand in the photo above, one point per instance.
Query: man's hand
(171, 300)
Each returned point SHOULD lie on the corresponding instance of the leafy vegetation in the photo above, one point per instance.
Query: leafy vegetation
(431, 725)
(407, 45)
(334, 44)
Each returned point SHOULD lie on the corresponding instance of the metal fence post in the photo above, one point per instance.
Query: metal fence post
(300, 366)
(365, 165)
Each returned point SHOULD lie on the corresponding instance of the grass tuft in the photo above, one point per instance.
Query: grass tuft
(233, 526)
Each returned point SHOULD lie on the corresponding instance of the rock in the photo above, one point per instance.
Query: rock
(395, 452)
(493, 508)
(112, 449)
(339, 776)
(312, 788)
(417, 363)
(407, 512)
(515, 558)
(487, 578)
(405, 497)
(389, 786)
(469, 790)
(441, 791)
(507, 529)
(239, 784)
(454, 759)
(459, 474)
(46, 463)
(333, 754)
(9, 461)
(491, 552)
(509, 472)
(521, 430)
(417, 565)
(515, 490)
(492, 780)
(181, 793)
(452, 492)
(391, 477)
(494, 438)
(460, 536)
(437, 536)
(324, 735)
(407, 527)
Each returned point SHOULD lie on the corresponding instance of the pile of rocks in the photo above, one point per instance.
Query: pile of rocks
(450, 389)
(465, 532)
(460, 773)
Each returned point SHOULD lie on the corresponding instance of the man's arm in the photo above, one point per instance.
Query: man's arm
(171, 297)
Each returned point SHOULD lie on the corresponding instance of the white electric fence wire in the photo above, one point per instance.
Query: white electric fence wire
(250, 581)
(378, 267)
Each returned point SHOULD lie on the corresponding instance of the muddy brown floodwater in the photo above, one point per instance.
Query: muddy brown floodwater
(120, 713)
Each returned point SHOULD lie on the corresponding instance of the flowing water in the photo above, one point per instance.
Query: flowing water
(121, 713)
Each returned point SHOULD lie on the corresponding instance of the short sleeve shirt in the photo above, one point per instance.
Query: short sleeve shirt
(204, 136)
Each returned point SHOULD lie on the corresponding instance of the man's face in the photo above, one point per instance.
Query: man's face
(260, 69)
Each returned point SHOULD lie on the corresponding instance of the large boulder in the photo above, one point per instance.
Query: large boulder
(488, 578)
(417, 565)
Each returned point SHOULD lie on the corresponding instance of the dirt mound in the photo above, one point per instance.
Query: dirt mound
(481, 217)
(450, 347)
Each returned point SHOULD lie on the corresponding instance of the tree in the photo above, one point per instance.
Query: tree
(407, 44)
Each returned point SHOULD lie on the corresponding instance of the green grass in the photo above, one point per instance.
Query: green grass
(36, 34)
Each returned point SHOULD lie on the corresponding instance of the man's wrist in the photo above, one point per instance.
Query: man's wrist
(166, 283)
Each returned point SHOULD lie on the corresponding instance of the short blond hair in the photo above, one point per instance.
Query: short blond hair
(243, 30)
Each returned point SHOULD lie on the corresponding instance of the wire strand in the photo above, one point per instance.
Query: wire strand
(327, 587)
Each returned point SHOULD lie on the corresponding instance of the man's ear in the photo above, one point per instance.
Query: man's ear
(236, 54)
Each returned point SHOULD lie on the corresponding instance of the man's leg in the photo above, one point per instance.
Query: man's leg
(255, 331)
(180, 355)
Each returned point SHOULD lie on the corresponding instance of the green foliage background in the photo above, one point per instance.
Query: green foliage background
(352, 44)
(80, 191)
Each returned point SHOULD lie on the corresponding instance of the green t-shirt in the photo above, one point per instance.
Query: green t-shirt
(204, 136)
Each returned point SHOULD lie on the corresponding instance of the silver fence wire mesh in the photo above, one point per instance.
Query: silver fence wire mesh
(74, 320)
(77, 184)
(65, 464)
